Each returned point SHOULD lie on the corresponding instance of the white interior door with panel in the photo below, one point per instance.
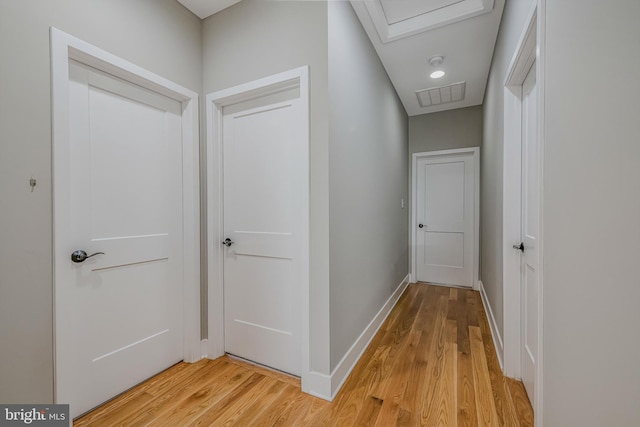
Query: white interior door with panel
(123, 307)
(522, 213)
(265, 187)
(529, 233)
(120, 227)
(445, 217)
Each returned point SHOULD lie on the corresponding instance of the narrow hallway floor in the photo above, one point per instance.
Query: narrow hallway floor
(432, 363)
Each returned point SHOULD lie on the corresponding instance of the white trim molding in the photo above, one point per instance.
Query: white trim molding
(541, 13)
(215, 103)
(475, 152)
(64, 48)
(446, 15)
(493, 325)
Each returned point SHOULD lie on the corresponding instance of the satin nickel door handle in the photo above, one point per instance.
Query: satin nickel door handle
(80, 255)
(519, 247)
(227, 242)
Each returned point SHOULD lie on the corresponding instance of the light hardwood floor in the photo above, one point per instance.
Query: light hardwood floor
(432, 363)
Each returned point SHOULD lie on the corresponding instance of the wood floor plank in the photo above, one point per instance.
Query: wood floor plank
(438, 406)
(435, 367)
(310, 417)
(396, 385)
(472, 309)
(189, 409)
(452, 313)
(403, 303)
(272, 373)
(414, 396)
(485, 405)
(368, 413)
(501, 396)
(157, 388)
(431, 363)
(444, 399)
(273, 413)
(248, 415)
(521, 402)
(399, 344)
(166, 402)
(466, 392)
(462, 317)
(242, 394)
(296, 411)
(357, 389)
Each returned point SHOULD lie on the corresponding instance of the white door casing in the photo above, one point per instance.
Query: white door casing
(445, 217)
(258, 189)
(124, 153)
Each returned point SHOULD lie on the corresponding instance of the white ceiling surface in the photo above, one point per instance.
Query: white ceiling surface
(406, 33)
(205, 8)
(463, 31)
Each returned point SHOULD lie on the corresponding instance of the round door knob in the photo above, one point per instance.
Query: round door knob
(227, 242)
(420, 225)
(80, 255)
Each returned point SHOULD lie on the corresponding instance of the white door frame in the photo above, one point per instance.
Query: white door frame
(473, 151)
(215, 103)
(64, 48)
(530, 48)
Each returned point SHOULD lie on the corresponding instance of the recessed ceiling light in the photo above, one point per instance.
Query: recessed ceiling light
(437, 74)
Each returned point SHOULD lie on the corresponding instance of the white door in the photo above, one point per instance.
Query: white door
(529, 233)
(263, 142)
(118, 314)
(445, 209)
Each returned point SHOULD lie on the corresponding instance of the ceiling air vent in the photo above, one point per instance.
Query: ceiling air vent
(441, 95)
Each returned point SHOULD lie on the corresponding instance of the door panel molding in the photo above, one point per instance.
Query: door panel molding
(273, 86)
(474, 152)
(66, 48)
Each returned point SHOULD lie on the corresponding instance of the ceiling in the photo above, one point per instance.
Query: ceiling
(407, 33)
(205, 8)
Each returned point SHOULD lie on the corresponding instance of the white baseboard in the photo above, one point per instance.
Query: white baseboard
(329, 386)
(495, 334)
(204, 348)
(317, 384)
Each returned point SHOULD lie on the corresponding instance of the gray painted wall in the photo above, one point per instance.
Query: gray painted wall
(354, 150)
(491, 158)
(159, 35)
(592, 215)
(446, 130)
(255, 39)
(368, 161)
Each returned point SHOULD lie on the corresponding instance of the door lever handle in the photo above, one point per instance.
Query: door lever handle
(519, 247)
(80, 255)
